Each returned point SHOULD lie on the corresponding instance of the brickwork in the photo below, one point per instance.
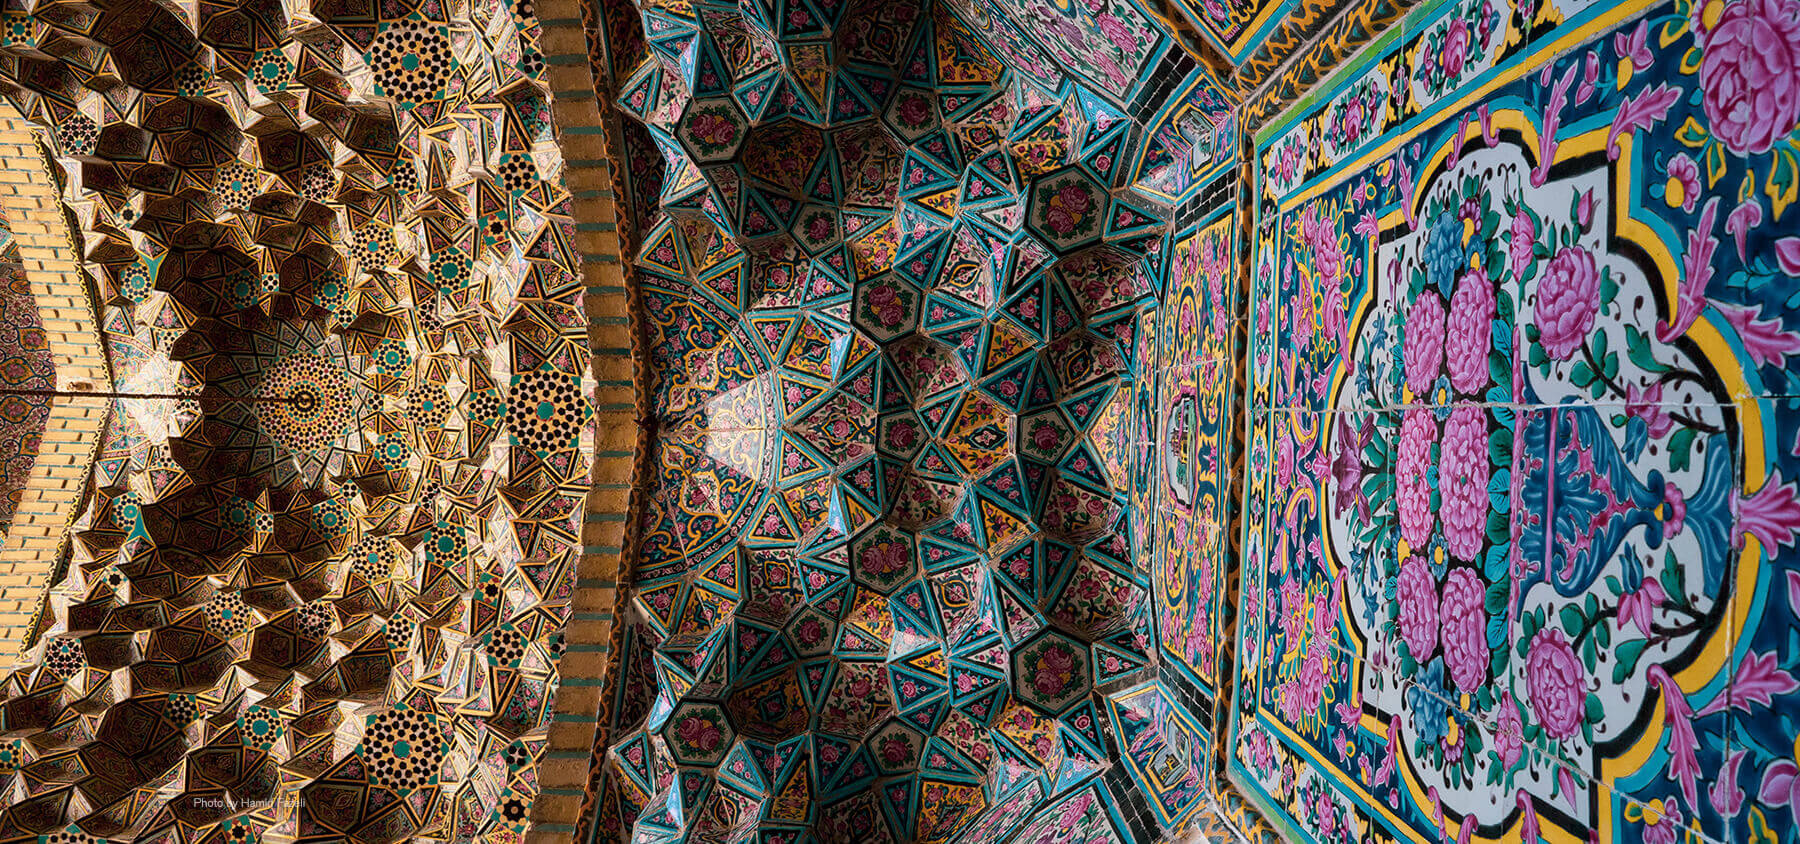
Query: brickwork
(564, 773)
(32, 206)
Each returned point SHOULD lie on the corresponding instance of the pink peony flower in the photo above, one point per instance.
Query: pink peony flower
(1303, 695)
(1463, 480)
(1568, 298)
(1470, 332)
(1413, 491)
(1557, 684)
(1750, 73)
(1423, 347)
(1417, 594)
(1465, 629)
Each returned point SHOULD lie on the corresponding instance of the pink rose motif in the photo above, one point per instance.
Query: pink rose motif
(1463, 483)
(1465, 629)
(1284, 462)
(1418, 598)
(885, 302)
(902, 436)
(1115, 31)
(1045, 436)
(699, 733)
(1413, 490)
(895, 751)
(1055, 668)
(1557, 684)
(712, 130)
(1067, 209)
(1518, 248)
(1302, 696)
(914, 110)
(1567, 301)
(884, 559)
(1470, 332)
(859, 687)
(1750, 73)
(1328, 256)
(1422, 349)
(1456, 47)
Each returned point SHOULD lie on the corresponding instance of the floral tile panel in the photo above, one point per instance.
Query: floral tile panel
(1553, 261)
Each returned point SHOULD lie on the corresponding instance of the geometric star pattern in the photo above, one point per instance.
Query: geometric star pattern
(322, 595)
(899, 278)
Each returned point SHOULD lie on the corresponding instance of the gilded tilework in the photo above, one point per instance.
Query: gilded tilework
(316, 583)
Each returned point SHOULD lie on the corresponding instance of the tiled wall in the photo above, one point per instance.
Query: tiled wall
(1521, 510)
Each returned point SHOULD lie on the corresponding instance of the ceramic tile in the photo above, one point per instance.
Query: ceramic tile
(1751, 790)
(1627, 609)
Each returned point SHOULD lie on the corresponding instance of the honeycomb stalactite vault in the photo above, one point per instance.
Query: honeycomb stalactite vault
(321, 594)
(898, 265)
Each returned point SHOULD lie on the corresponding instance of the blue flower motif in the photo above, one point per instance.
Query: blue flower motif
(1430, 714)
(1444, 252)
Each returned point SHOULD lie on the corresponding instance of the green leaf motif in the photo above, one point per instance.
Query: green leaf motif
(1637, 346)
(1571, 620)
(1581, 374)
(1681, 449)
(1627, 655)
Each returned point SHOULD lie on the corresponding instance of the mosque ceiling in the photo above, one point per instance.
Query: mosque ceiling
(899, 266)
(316, 586)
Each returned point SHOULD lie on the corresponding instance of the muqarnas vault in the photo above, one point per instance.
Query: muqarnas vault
(319, 594)
(900, 266)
